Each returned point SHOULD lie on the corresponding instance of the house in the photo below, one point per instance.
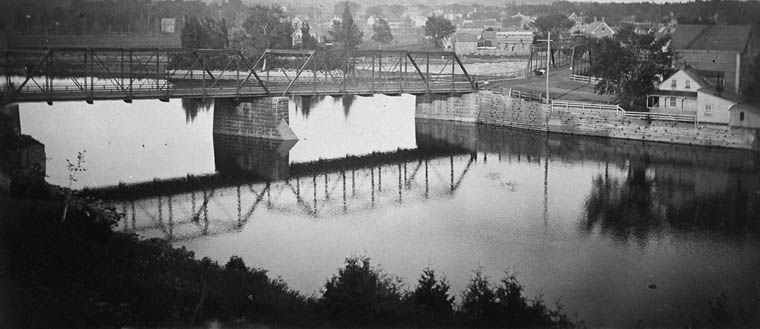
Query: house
(595, 29)
(677, 94)
(465, 43)
(167, 25)
(577, 19)
(688, 92)
(720, 53)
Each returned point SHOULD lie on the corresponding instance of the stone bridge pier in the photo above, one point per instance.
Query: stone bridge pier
(261, 117)
(450, 107)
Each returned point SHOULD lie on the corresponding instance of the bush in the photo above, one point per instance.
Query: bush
(505, 306)
(431, 300)
(361, 295)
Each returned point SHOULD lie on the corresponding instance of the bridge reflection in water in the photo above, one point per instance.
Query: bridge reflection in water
(640, 191)
(255, 173)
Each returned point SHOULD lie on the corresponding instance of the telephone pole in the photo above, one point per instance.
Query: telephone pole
(548, 62)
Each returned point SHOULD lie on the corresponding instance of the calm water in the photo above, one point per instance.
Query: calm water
(589, 222)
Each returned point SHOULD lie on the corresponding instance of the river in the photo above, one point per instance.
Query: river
(622, 233)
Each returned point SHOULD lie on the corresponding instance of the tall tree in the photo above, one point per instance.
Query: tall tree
(307, 40)
(346, 31)
(556, 24)
(381, 31)
(439, 28)
(265, 27)
(752, 90)
(340, 7)
(629, 65)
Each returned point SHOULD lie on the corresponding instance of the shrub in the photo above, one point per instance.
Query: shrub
(431, 300)
(360, 295)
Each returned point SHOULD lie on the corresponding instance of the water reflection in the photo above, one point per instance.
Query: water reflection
(256, 158)
(347, 101)
(193, 106)
(624, 208)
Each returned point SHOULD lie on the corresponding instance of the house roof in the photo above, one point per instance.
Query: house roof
(489, 35)
(466, 37)
(745, 107)
(712, 37)
(698, 79)
(480, 23)
(725, 94)
(591, 27)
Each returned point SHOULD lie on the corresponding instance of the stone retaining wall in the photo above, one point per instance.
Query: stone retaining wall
(502, 110)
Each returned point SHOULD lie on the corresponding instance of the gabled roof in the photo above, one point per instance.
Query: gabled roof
(712, 37)
(698, 79)
(591, 27)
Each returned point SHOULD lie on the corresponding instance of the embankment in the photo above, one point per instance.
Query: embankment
(503, 110)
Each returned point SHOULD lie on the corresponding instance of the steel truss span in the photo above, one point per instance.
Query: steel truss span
(88, 74)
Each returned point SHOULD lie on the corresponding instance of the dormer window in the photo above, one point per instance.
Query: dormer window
(687, 84)
(673, 83)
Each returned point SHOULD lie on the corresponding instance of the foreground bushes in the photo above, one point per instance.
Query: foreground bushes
(78, 273)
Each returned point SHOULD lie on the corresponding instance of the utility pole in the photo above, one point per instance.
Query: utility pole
(548, 62)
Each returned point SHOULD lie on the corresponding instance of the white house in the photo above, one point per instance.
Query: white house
(595, 29)
(686, 92)
(677, 94)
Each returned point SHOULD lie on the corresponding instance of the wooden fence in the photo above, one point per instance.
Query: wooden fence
(584, 79)
(572, 105)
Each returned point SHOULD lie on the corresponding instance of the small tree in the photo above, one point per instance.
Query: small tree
(439, 28)
(346, 31)
(362, 295)
(431, 297)
(381, 31)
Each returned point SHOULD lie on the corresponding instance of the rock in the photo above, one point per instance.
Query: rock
(652, 286)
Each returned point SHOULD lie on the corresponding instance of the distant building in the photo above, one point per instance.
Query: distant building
(465, 43)
(720, 53)
(481, 24)
(493, 43)
(167, 25)
(595, 29)
(514, 43)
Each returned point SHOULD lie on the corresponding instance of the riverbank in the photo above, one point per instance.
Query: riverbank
(78, 272)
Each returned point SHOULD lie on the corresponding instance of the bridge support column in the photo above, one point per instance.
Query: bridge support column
(452, 107)
(264, 117)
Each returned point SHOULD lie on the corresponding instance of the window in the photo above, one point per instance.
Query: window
(708, 110)
(673, 83)
(672, 102)
(653, 101)
(741, 116)
(687, 84)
